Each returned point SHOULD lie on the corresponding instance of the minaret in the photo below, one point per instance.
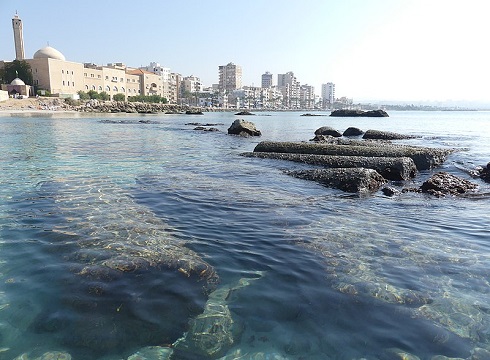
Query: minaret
(18, 37)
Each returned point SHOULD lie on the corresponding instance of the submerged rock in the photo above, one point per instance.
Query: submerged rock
(212, 333)
(152, 353)
(443, 183)
(243, 128)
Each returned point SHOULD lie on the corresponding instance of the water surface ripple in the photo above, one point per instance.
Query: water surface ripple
(113, 235)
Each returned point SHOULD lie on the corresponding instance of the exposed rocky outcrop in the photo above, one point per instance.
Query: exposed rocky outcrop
(327, 130)
(390, 191)
(208, 129)
(353, 180)
(352, 131)
(386, 135)
(194, 112)
(443, 183)
(201, 124)
(97, 106)
(243, 128)
(244, 112)
(397, 169)
(484, 173)
(359, 113)
(424, 158)
(310, 114)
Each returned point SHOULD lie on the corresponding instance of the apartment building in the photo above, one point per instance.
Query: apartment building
(230, 77)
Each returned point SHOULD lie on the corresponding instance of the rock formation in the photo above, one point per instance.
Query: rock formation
(327, 130)
(443, 183)
(402, 168)
(353, 180)
(243, 128)
(359, 113)
(352, 131)
(424, 158)
(386, 135)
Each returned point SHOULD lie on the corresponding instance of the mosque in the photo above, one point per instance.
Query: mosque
(53, 74)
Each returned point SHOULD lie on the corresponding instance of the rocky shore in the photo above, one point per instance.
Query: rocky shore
(46, 104)
(366, 165)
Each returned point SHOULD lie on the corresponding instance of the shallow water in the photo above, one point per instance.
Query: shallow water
(344, 277)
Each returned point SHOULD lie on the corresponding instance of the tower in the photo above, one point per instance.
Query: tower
(230, 77)
(267, 80)
(18, 38)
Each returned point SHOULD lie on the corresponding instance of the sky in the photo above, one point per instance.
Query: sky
(373, 50)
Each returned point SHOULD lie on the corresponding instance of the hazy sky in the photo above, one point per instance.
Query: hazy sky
(371, 49)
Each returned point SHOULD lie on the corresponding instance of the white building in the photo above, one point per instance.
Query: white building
(328, 94)
(290, 88)
(307, 97)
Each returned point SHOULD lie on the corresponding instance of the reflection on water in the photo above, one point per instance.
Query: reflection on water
(117, 236)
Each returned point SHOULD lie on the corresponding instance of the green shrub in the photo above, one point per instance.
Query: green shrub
(104, 96)
(119, 97)
(83, 95)
(41, 92)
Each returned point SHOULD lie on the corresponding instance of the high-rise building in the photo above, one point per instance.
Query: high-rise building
(307, 97)
(290, 89)
(267, 80)
(18, 38)
(230, 77)
(328, 94)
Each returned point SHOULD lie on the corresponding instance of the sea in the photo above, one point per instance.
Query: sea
(119, 233)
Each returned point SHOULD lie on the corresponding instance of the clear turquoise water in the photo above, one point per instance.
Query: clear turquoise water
(344, 277)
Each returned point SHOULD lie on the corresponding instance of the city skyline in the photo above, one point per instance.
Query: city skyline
(371, 50)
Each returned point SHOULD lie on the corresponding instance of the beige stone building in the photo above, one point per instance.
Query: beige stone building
(150, 83)
(53, 73)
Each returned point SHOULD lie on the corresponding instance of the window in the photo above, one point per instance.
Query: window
(98, 76)
(73, 83)
(115, 88)
(62, 71)
(92, 75)
(100, 88)
(86, 87)
(93, 87)
(123, 89)
(108, 88)
(121, 79)
(107, 77)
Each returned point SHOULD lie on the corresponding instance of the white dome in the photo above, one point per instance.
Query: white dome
(17, 81)
(50, 53)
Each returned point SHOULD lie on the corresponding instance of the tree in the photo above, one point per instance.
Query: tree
(119, 97)
(104, 96)
(17, 69)
(93, 94)
(83, 95)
